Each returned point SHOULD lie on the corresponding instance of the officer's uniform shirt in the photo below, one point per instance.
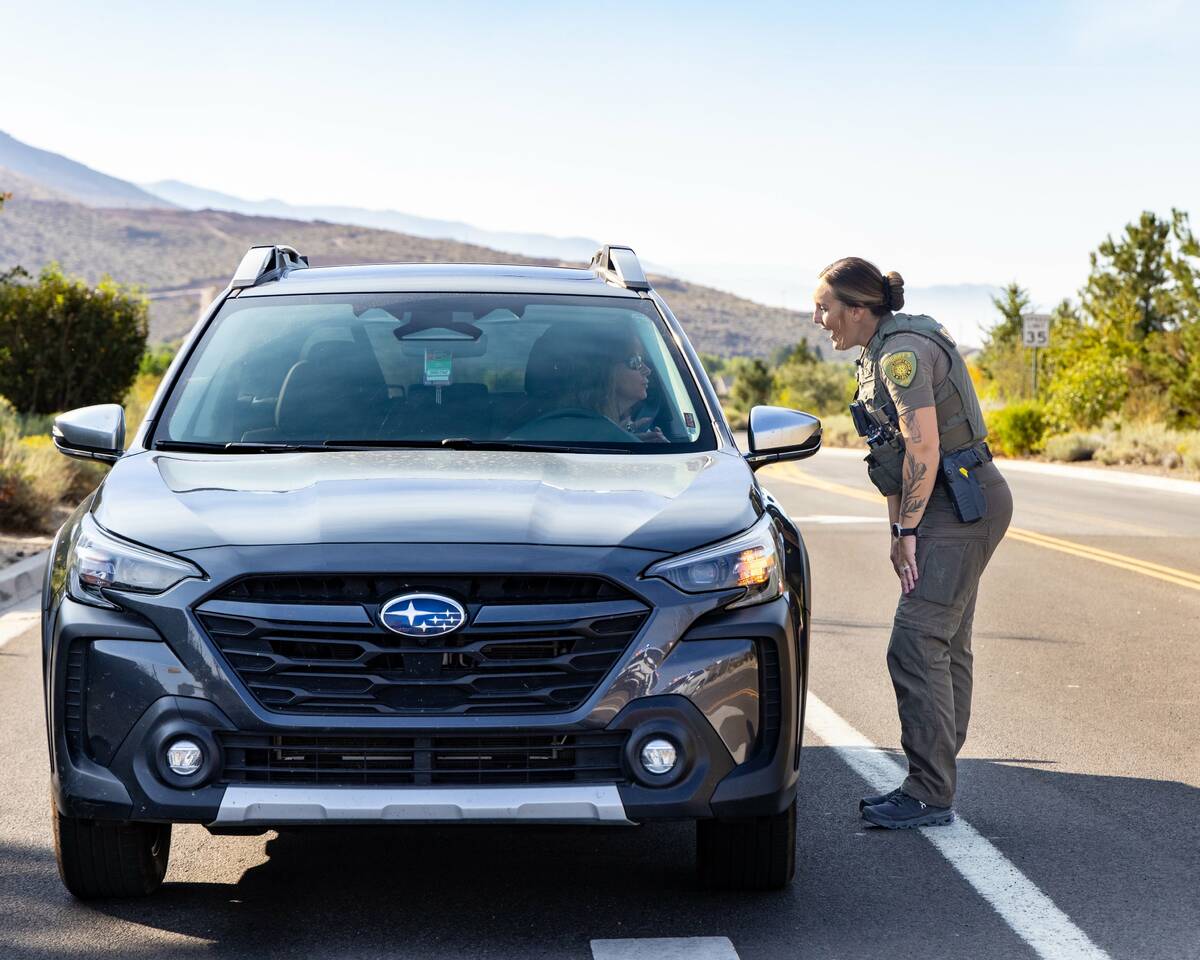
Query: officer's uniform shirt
(911, 368)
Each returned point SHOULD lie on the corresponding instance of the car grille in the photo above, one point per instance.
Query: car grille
(375, 589)
(474, 759)
(314, 644)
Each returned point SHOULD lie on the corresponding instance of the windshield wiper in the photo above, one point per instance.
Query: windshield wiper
(450, 443)
(237, 446)
(465, 443)
(381, 444)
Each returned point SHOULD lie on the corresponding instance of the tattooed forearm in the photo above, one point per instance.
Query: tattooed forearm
(913, 497)
(912, 429)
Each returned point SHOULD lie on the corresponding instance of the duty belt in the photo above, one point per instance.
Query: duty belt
(981, 452)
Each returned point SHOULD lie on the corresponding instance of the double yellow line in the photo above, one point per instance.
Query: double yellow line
(1180, 578)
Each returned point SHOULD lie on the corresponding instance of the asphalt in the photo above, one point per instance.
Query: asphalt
(1082, 768)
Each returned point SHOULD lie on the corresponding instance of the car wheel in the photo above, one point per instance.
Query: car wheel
(758, 853)
(108, 858)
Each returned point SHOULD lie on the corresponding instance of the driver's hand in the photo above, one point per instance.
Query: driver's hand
(652, 436)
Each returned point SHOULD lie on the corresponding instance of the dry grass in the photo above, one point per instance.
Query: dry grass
(35, 479)
(1151, 445)
(1073, 447)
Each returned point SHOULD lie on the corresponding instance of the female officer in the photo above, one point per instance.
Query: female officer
(949, 507)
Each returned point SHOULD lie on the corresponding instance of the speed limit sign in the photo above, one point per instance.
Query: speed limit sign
(1035, 330)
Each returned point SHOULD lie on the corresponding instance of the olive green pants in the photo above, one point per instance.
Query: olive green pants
(929, 656)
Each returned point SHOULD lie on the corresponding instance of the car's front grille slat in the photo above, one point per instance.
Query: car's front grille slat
(576, 628)
(425, 759)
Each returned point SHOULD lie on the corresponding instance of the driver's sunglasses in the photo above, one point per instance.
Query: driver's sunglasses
(636, 362)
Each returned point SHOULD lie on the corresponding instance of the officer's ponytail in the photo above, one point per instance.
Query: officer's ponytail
(859, 283)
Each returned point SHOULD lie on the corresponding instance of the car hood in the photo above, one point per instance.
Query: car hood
(182, 501)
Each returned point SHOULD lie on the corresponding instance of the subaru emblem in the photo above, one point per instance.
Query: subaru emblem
(422, 615)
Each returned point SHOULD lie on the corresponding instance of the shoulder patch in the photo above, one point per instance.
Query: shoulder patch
(900, 367)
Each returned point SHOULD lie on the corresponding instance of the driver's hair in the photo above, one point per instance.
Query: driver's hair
(585, 363)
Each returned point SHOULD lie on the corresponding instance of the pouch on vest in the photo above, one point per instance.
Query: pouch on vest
(966, 493)
(884, 465)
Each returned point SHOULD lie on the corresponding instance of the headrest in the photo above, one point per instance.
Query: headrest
(354, 358)
(318, 402)
(549, 367)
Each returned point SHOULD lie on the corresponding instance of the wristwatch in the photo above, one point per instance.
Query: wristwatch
(899, 531)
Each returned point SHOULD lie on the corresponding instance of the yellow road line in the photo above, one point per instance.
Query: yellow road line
(1181, 578)
(1107, 556)
(1134, 529)
(796, 475)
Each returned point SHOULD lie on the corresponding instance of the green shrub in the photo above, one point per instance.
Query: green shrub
(1017, 430)
(64, 344)
(751, 383)
(156, 361)
(1073, 447)
(815, 387)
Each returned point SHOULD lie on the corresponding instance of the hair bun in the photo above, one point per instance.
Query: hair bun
(895, 290)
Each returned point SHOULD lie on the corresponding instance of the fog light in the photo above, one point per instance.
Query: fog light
(184, 757)
(659, 756)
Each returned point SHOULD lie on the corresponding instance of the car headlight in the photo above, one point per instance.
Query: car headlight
(749, 560)
(98, 560)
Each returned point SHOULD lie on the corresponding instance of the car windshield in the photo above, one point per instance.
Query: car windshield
(436, 369)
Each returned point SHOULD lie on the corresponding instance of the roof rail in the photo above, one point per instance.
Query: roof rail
(267, 262)
(620, 265)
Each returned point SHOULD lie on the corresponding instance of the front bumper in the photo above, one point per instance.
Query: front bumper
(251, 804)
(697, 673)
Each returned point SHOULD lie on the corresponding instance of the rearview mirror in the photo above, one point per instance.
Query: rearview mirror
(778, 434)
(91, 433)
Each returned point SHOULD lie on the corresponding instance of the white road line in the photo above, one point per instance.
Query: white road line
(665, 948)
(1120, 478)
(16, 619)
(1030, 913)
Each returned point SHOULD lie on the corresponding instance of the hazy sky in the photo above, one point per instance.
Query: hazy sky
(952, 142)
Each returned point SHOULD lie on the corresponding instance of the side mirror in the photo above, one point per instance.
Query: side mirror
(778, 434)
(91, 433)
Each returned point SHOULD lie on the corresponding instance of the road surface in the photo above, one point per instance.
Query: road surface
(1079, 803)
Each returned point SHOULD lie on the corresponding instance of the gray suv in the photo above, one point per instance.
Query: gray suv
(427, 544)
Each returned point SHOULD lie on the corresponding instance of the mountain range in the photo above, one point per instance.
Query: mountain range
(528, 244)
(181, 242)
(96, 225)
(66, 178)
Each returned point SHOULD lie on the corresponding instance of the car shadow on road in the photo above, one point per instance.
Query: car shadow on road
(1106, 849)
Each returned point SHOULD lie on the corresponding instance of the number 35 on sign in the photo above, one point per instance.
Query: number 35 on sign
(1035, 331)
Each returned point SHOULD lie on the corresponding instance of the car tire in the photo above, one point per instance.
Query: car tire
(108, 858)
(758, 853)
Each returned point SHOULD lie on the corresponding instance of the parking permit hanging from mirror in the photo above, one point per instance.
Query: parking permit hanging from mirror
(437, 371)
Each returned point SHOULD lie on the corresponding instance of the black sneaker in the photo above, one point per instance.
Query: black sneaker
(875, 801)
(904, 812)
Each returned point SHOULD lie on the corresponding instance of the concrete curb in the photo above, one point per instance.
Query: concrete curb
(23, 578)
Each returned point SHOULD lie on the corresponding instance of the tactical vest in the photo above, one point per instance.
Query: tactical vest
(959, 419)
